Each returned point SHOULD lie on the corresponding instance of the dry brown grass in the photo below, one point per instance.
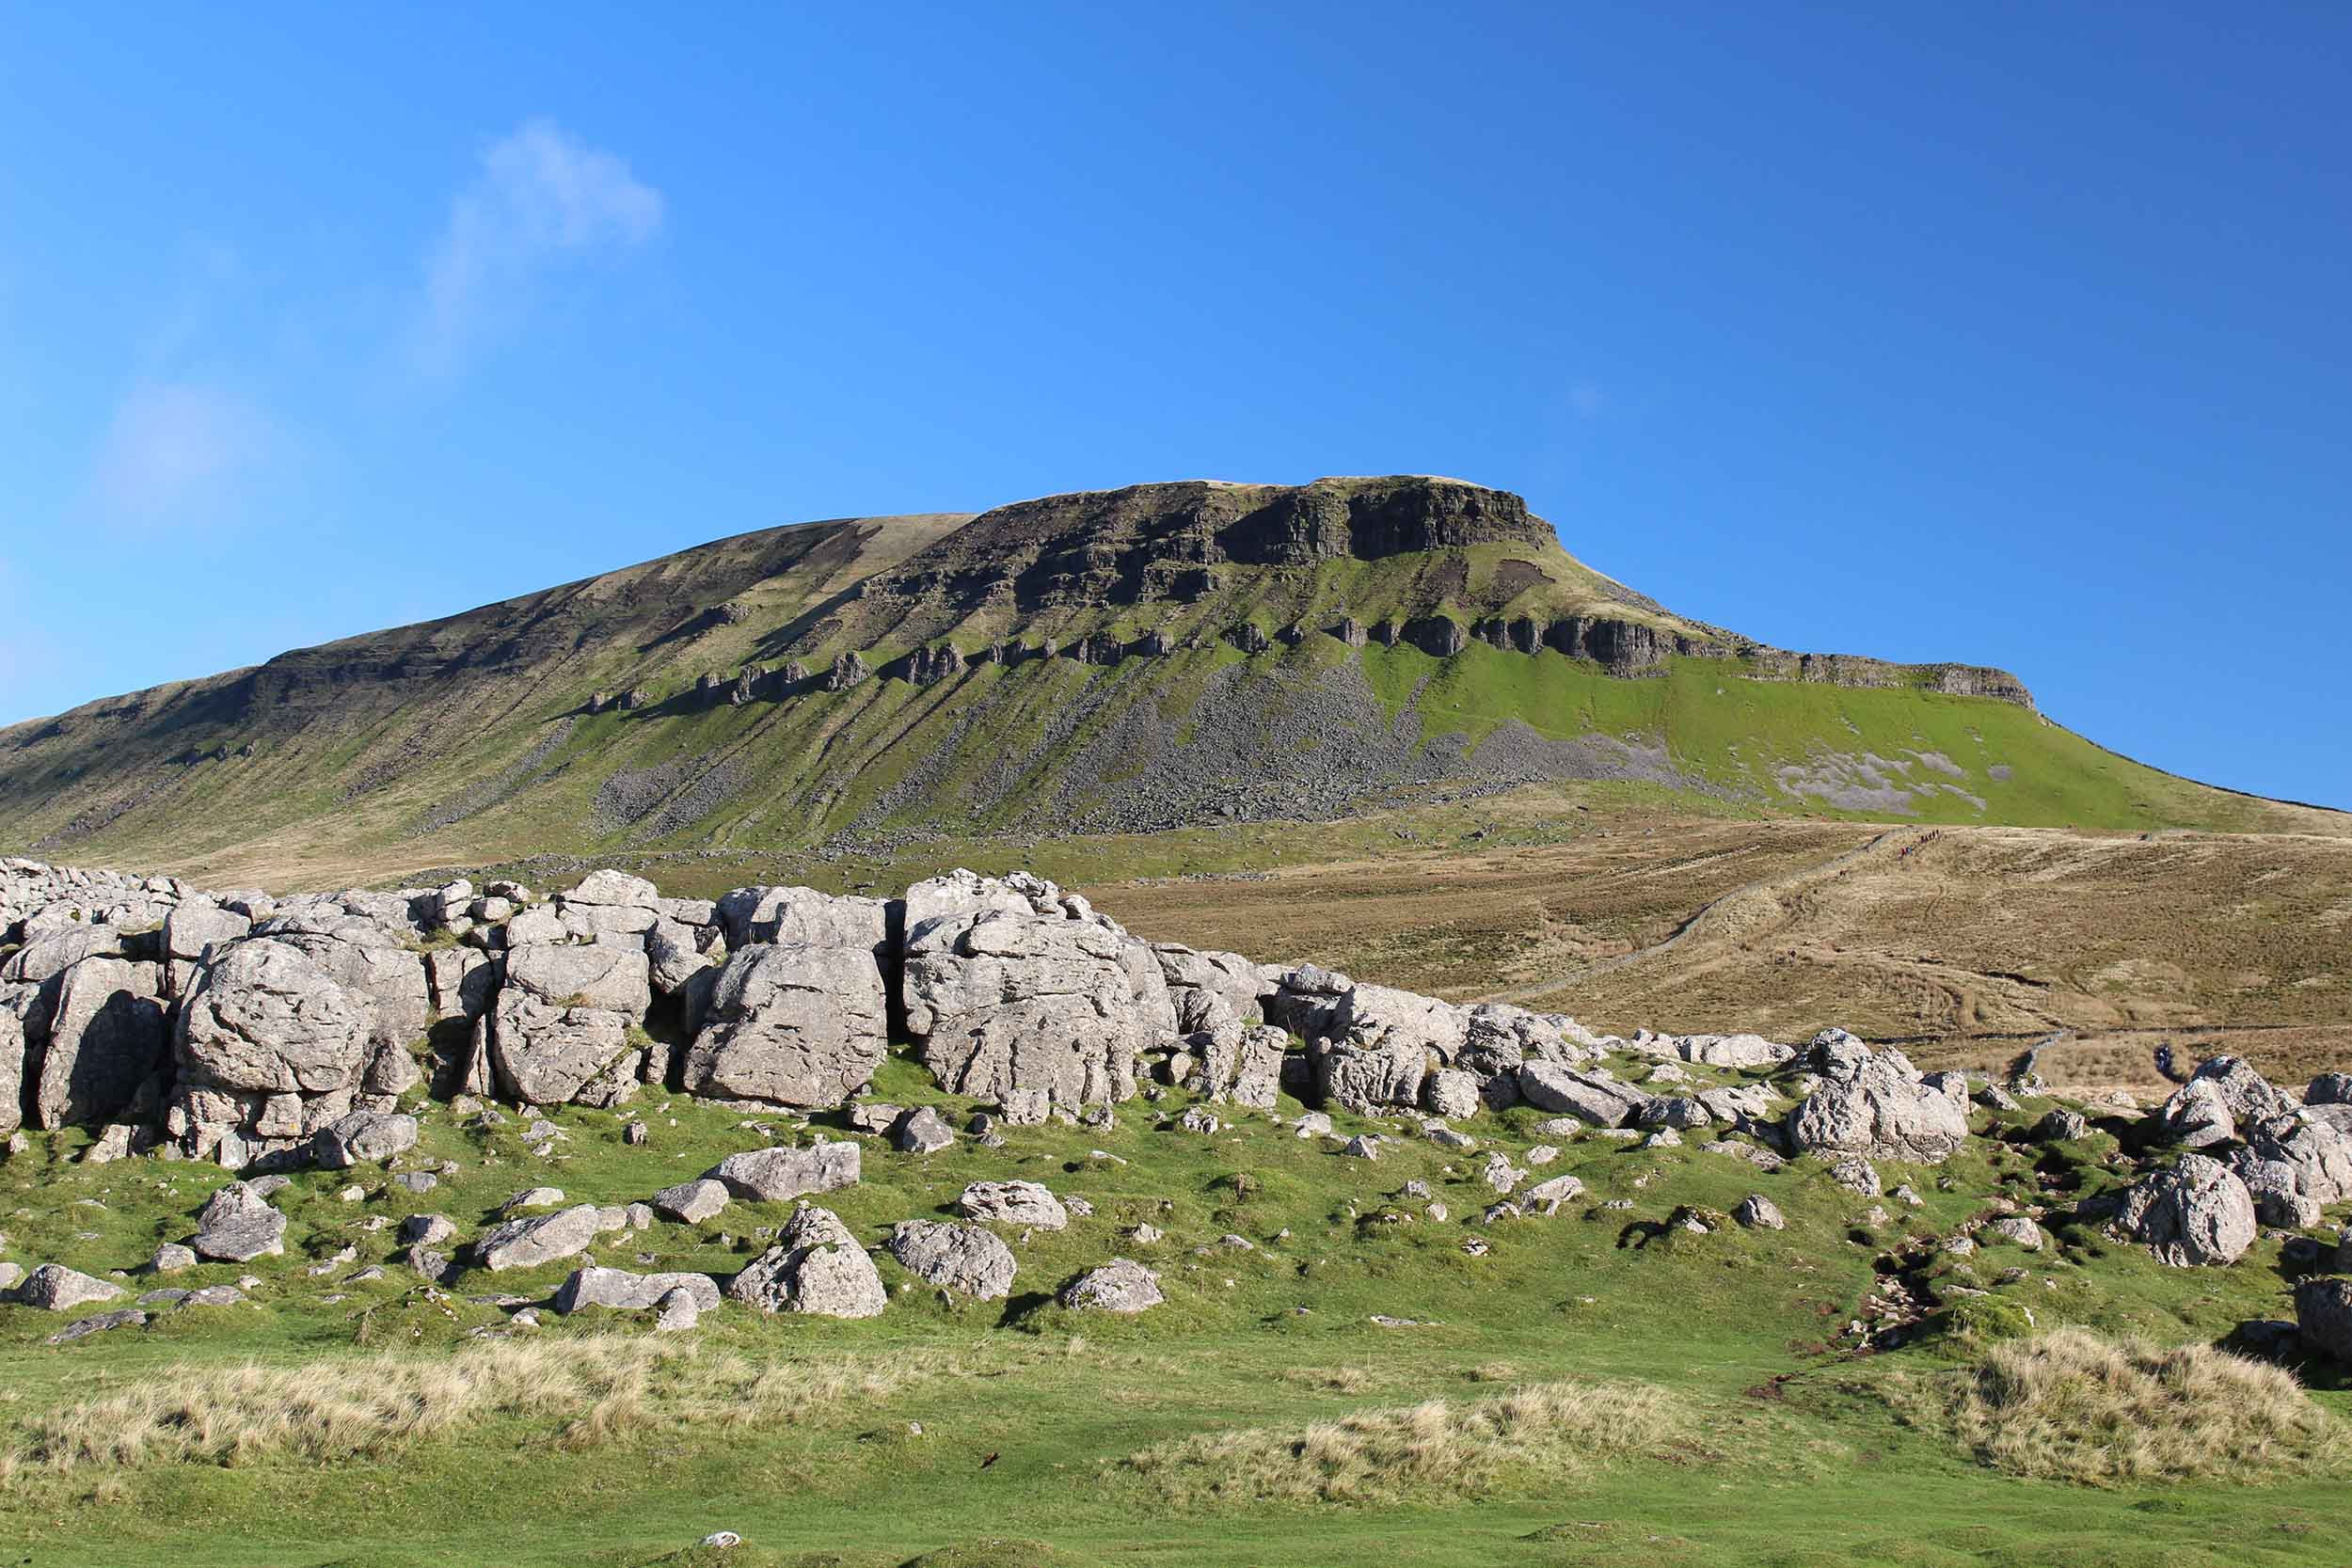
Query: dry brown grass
(599, 1390)
(2070, 1405)
(1538, 1432)
(1336, 1380)
(1972, 941)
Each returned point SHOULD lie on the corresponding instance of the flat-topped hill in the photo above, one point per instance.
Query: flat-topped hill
(1128, 660)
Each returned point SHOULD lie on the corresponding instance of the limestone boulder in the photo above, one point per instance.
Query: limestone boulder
(268, 1018)
(1748, 1053)
(1122, 1284)
(54, 1288)
(561, 1031)
(2196, 1213)
(369, 955)
(23, 1024)
(964, 1258)
(779, 1175)
(1001, 1001)
(816, 1267)
(107, 1041)
(2317, 1153)
(1209, 987)
(800, 1026)
(1591, 1095)
(1880, 1108)
(1021, 1203)
(192, 933)
(238, 1225)
(526, 1244)
(676, 954)
(364, 1137)
(608, 904)
(802, 917)
(618, 1290)
(691, 1202)
(43, 958)
(2224, 1096)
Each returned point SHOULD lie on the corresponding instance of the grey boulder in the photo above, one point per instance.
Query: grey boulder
(54, 1288)
(776, 1175)
(106, 1037)
(1024, 1203)
(802, 1026)
(816, 1267)
(1120, 1285)
(620, 1290)
(237, 1224)
(691, 1202)
(964, 1258)
(364, 1137)
(526, 1244)
(2196, 1213)
(1590, 1095)
(1881, 1109)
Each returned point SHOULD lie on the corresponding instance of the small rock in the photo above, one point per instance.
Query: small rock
(129, 1317)
(1120, 1285)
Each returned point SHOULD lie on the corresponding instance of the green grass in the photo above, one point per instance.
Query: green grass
(1273, 1341)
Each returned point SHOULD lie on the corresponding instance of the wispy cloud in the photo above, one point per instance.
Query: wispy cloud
(540, 195)
(178, 450)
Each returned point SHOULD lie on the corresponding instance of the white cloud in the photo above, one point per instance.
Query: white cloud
(540, 195)
(180, 446)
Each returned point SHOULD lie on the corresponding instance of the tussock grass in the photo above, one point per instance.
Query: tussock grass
(1437, 1447)
(594, 1391)
(2069, 1405)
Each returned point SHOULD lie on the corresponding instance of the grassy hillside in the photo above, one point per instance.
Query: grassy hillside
(1673, 1398)
(596, 718)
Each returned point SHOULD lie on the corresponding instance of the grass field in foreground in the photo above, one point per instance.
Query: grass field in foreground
(799, 1434)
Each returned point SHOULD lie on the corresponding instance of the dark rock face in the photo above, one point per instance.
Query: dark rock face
(1165, 541)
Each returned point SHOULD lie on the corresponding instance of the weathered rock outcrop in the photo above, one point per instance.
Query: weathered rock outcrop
(106, 1042)
(778, 1174)
(54, 1288)
(2223, 1094)
(1590, 1095)
(526, 1244)
(792, 1025)
(964, 1258)
(362, 946)
(2196, 1213)
(561, 1030)
(618, 1290)
(816, 1266)
(1022, 1203)
(1877, 1106)
(238, 1225)
(1122, 1284)
(1030, 990)
(270, 1049)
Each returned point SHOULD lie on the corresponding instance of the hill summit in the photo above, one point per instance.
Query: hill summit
(1108, 662)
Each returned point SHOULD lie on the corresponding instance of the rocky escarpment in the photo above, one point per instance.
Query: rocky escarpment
(1168, 542)
(1188, 563)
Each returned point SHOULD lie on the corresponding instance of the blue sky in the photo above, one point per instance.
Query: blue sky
(2010, 334)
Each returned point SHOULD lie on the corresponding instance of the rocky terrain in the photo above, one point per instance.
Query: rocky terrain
(487, 1119)
(268, 1036)
(1139, 660)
